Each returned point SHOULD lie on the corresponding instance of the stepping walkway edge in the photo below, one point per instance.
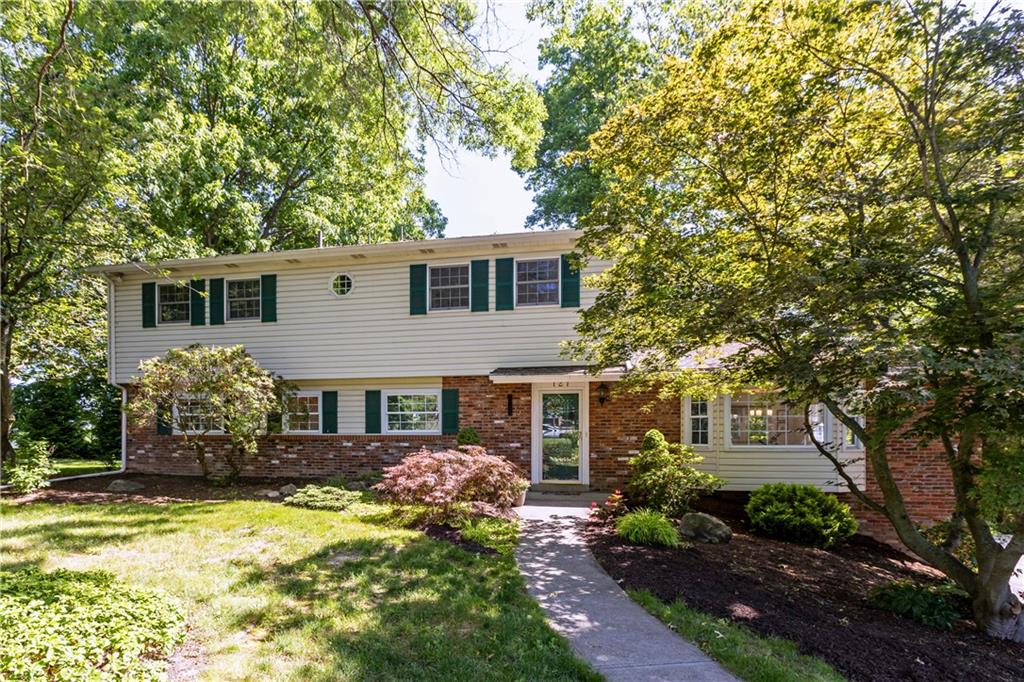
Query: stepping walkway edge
(605, 628)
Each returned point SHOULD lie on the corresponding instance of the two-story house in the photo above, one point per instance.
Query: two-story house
(396, 346)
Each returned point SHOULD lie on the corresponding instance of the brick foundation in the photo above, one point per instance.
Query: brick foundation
(501, 414)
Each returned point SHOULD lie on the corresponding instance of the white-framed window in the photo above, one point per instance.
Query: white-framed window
(449, 287)
(412, 411)
(174, 303)
(697, 422)
(763, 420)
(341, 284)
(243, 299)
(850, 440)
(537, 281)
(192, 415)
(303, 413)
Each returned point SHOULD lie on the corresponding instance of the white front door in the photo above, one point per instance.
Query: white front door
(560, 434)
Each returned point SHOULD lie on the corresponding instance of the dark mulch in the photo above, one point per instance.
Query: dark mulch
(815, 598)
(446, 533)
(158, 490)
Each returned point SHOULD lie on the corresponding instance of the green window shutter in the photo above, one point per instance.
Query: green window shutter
(504, 283)
(372, 412)
(450, 411)
(570, 283)
(149, 304)
(268, 298)
(197, 303)
(329, 412)
(478, 274)
(418, 289)
(163, 420)
(275, 422)
(217, 301)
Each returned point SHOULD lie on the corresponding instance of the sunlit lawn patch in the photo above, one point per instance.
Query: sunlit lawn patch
(276, 593)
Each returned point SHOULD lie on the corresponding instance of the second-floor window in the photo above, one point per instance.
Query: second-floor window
(174, 303)
(449, 287)
(244, 299)
(537, 281)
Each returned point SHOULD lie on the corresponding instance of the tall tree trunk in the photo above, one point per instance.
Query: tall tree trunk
(998, 611)
(7, 455)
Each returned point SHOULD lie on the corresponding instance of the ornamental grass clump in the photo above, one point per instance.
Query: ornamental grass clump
(448, 478)
(800, 513)
(647, 527)
(83, 625)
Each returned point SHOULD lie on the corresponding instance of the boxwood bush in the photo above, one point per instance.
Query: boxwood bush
(663, 477)
(647, 527)
(801, 514)
(329, 497)
(83, 625)
(936, 605)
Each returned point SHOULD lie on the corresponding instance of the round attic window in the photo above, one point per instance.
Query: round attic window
(341, 285)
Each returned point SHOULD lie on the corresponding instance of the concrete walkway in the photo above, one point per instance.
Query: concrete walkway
(614, 634)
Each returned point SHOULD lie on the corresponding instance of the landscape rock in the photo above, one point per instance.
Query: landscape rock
(123, 485)
(355, 485)
(288, 489)
(273, 494)
(704, 528)
(267, 492)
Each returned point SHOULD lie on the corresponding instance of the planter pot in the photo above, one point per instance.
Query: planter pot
(521, 500)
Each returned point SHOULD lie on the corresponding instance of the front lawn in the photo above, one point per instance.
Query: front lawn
(76, 467)
(280, 593)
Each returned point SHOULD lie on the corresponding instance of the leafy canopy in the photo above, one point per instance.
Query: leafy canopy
(832, 193)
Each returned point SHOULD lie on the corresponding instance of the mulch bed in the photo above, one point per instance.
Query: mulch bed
(813, 597)
(446, 533)
(157, 490)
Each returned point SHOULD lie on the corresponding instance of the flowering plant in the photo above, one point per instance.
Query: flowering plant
(613, 507)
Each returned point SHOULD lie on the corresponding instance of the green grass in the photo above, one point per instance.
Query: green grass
(746, 654)
(74, 467)
(283, 593)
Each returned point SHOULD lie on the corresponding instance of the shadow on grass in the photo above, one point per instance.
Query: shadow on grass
(411, 609)
(98, 526)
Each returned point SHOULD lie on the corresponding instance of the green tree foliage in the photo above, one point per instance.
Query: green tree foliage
(835, 190)
(156, 129)
(80, 416)
(602, 57)
(201, 391)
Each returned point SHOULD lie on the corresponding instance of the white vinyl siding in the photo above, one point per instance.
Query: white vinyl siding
(746, 468)
(366, 334)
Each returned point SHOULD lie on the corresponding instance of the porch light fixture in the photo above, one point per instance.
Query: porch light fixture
(602, 393)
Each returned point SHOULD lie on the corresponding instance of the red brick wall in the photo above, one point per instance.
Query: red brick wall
(617, 429)
(482, 405)
(924, 479)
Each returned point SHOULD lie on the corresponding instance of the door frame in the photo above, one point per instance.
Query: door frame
(536, 421)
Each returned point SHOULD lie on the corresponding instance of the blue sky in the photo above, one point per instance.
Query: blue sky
(477, 194)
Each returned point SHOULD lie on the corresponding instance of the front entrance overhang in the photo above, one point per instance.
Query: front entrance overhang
(560, 373)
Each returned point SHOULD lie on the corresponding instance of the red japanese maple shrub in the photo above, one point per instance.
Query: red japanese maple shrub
(450, 477)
